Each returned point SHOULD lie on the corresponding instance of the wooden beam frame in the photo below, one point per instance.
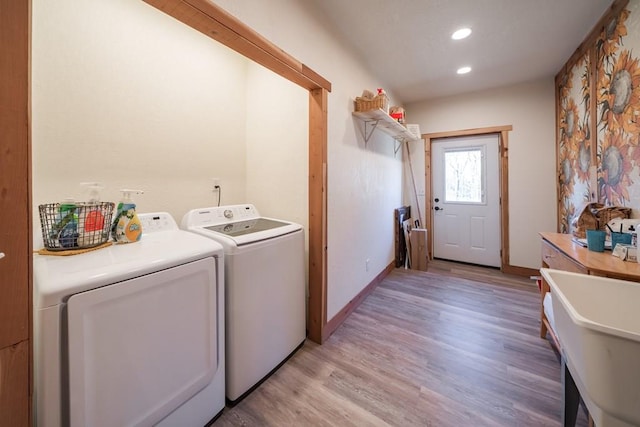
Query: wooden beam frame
(317, 320)
(16, 238)
(503, 133)
(216, 23)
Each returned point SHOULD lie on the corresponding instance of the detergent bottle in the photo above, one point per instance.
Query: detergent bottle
(91, 230)
(127, 227)
(66, 226)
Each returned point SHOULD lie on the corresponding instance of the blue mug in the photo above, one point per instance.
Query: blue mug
(616, 238)
(595, 240)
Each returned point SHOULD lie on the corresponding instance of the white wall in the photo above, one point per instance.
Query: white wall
(530, 109)
(277, 139)
(128, 96)
(364, 181)
(125, 95)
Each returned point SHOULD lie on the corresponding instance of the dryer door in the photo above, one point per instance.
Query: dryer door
(140, 348)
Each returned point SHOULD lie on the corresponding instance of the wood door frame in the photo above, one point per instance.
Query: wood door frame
(503, 179)
(16, 234)
(216, 23)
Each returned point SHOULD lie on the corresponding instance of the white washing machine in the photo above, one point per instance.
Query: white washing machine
(265, 290)
(131, 334)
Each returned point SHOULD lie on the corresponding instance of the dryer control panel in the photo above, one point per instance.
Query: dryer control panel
(156, 222)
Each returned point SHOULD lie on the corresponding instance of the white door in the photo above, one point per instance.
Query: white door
(466, 199)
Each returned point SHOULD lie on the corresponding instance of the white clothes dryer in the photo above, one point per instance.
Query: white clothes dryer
(264, 290)
(131, 334)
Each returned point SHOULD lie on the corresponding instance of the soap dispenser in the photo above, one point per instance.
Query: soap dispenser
(127, 227)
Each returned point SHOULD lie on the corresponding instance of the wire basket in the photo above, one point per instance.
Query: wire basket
(68, 226)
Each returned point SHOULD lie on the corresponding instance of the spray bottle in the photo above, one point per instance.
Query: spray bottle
(127, 227)
(91, 218)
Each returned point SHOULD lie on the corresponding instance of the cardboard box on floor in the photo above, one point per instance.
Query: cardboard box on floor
(419, 252)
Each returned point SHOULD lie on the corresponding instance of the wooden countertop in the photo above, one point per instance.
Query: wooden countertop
(598, 263)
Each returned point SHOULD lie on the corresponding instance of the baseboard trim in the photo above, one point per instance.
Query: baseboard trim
(520, 271)
(342, 315)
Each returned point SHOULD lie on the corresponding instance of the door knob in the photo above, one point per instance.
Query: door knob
(1, 255)
(436, 200)
(438, 208)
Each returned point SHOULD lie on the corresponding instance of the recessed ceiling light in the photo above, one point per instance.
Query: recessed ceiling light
(463, 70)
(461, 33)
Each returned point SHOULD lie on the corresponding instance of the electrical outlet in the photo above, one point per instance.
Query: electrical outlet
(366, 265)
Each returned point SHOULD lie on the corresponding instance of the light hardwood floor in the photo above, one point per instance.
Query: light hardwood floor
(454, 346)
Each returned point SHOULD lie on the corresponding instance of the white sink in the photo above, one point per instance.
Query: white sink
(597, 322)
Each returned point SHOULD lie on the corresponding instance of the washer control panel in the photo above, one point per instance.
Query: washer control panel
(219, 215)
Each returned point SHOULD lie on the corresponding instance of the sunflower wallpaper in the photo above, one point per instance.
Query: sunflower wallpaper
(618, 107)
(598, 119)
(574, 142)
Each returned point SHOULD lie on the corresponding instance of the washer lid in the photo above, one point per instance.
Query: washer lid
(56, 278)
(237, 224)
(240, 228)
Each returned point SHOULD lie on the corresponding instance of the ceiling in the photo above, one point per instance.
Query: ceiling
(407, 43)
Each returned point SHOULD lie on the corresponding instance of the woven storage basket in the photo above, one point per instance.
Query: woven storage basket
(595, 216)
(378, 101)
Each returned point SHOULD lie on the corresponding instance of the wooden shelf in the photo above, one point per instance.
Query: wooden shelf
(378, 119)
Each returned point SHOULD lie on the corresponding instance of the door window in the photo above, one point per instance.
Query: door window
(464, 175)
